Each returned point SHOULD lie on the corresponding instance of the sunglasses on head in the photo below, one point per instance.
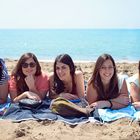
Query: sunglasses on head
(32, 65)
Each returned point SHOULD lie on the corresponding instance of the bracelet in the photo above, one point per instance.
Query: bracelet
(110, 104)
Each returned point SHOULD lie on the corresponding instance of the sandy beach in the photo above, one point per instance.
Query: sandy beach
(46, 130)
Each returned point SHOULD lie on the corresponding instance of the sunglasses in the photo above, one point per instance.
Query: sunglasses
(105, 68)
(32, 65)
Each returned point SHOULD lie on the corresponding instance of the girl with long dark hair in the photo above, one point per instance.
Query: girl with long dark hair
(27, 80)
(105, 89)
(65, 81)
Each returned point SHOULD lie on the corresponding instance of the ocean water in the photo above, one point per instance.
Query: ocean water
(80, 44)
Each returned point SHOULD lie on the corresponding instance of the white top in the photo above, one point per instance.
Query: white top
(121, 78)
(133, 79)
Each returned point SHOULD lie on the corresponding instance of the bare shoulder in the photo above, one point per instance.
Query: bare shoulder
(91, 93)
(89, 85)
(78, 75)
(78, 72)
(132, 80)
(51, 76)
(133, 85)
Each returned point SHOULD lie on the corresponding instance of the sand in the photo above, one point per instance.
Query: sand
(46, 130)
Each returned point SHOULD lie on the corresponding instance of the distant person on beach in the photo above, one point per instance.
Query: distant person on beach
(3, 82)
(105, 89)
(65, 81)
(135, 89)
(27, 80)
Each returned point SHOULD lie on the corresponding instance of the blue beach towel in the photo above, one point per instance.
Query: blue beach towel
(18, 114)
(4, 107)
(108, 115)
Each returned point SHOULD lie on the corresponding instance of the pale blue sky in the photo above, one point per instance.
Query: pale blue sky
(69, 13)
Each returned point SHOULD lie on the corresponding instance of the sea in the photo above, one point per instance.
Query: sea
(81, 44)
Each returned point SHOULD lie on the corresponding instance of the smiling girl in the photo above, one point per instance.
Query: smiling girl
(27, 80)
(104, 88)
(65, 81)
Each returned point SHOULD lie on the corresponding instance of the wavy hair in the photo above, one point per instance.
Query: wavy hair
(58, 86)
(113, 90)
(19, 75)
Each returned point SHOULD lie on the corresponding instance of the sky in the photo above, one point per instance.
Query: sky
(69, 14)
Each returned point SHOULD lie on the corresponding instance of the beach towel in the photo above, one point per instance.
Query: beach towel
(108, 115)
(4, 107)
(18, 114)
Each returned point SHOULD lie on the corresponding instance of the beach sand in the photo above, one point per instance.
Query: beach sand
(46, 130)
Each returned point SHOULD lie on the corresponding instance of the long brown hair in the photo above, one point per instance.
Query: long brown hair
(18, 74)
(113, 90)
(58, 84)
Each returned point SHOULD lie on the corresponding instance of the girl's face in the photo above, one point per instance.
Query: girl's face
(106, 71)
(62, 71)
(29, 67)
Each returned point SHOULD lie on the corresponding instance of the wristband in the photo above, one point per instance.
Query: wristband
(110, 104)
